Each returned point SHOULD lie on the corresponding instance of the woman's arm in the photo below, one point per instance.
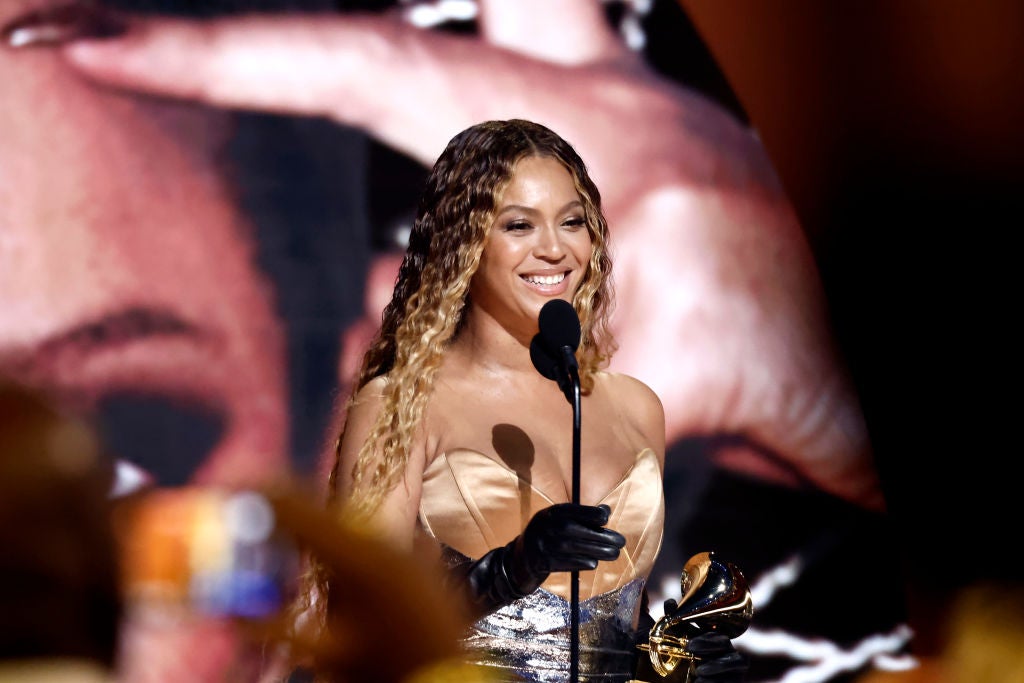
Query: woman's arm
(643, 410)
(394, 520)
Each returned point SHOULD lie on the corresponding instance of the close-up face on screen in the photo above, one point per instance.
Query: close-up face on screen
(157, 255)
(128, 282)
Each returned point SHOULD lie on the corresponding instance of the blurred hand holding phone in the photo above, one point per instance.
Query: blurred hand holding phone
(228, 565)
(214, 551)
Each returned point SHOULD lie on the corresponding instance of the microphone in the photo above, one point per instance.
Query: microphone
(559, 325)
(553, 352)
(543, 360)
(553, 348)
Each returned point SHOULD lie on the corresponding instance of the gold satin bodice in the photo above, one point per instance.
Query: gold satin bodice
(473, 503)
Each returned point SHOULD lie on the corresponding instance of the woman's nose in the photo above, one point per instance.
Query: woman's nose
(549, 244)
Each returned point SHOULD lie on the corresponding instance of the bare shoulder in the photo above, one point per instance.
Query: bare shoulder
(359, 418)
(369, 397)
(394, 518)
(631, 390)
(640, 405)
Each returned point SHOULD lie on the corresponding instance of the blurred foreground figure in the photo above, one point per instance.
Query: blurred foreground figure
(223, 563)
(59, 598)
(981, 640)
(65, 593)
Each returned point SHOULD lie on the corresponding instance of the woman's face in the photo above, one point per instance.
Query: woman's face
(128, 283)
(538, 246)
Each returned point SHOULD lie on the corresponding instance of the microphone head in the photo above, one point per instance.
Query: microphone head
(559, 325)
(545, 362)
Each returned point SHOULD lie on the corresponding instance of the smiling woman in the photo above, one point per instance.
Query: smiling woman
(510, 220)
(539, 247)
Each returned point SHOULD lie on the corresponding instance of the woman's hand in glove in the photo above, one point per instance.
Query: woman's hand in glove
(563, 537)
(718, 661)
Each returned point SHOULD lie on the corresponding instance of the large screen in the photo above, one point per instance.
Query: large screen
(196, 247)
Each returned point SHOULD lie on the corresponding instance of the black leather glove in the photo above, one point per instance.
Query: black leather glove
(719, 662)
(563, 537)
(645, 622)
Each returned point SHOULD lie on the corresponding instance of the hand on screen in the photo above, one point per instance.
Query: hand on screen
(719, 303)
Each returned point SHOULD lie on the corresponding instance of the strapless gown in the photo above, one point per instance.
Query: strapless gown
(472, 503)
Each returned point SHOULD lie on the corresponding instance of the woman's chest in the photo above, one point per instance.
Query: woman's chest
(535, 440)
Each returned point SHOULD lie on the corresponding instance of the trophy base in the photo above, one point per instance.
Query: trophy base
(645, 672)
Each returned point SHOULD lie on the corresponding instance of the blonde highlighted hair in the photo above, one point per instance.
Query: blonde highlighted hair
(426, 309)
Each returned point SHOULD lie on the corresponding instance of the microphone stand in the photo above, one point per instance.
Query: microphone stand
(569, 361)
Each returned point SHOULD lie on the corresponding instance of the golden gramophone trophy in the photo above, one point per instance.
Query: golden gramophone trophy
(715, 598)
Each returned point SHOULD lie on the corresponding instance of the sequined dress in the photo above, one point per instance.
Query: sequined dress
(472, 503)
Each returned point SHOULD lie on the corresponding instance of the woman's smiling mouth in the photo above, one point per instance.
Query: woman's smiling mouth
(545, 280)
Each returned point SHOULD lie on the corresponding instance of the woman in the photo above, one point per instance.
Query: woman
(454, 442)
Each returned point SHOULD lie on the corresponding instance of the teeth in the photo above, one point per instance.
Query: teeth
(545, 279)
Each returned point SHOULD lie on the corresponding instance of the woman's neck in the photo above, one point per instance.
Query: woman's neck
(491, 346)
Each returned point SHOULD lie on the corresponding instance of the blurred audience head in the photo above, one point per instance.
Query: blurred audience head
(59, 578)
(985, 634)
(388, 617)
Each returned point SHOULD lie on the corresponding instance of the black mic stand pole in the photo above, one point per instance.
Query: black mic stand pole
(574, 585)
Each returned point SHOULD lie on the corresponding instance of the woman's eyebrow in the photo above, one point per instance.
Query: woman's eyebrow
(109, 330)
(532, 209)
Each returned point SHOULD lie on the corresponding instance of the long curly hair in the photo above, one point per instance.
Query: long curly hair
(431, 291)
(426, 309)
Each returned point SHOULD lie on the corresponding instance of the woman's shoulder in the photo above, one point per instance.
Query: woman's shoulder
(635, 398)
(622, 383)
(367, 399)
(374, 388)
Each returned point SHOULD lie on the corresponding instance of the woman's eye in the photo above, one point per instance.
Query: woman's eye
(575, 222)
(516, 226)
